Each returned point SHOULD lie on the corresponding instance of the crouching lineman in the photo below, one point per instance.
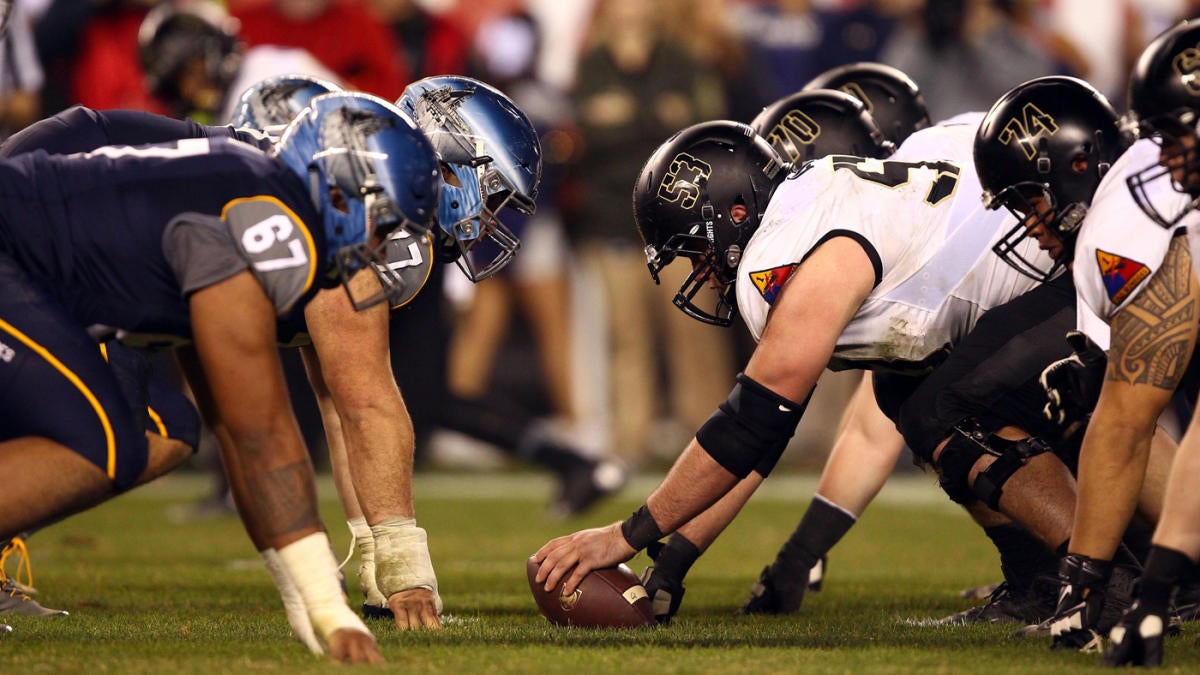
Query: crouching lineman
(208, 241)
(823, 284)
(1163, 103)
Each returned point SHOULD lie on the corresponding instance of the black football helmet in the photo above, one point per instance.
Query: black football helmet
(175, 33)
(1054, 138)
(891, 97)
(1164, 104)
(684, 206)
(811, 124)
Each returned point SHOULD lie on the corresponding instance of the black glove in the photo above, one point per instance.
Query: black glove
(665, 591)
(773, 594)
(1073, 384)
(1080, 602)
(1137, 639)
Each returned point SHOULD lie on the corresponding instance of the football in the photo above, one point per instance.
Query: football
(612, 597)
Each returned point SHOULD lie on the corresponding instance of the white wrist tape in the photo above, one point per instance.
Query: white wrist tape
(364, 541)
(402, 558)
(293, 604)
(311, 565)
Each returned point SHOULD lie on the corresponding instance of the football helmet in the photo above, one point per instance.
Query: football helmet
(173, 34)
(370, 171)
(811, 124)
(1052, 139)
(1164, 104)
(491, 159)
(270, 105)
(891, 97)
(688, 202)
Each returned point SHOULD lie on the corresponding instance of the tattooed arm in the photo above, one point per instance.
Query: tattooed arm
(1152, 341)
(242, 387)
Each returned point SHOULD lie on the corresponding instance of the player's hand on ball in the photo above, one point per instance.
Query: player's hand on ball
(415, 608)
(573, 556)
(348, 645)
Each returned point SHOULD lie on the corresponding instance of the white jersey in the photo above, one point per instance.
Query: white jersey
(924, 227)
(1119, 248)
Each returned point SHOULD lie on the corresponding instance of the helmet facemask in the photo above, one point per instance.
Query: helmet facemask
(700, 246)
(1178, 163)
(1021, 200)
(469, 214)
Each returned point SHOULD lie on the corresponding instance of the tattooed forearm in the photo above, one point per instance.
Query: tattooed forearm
(283, 500)
(1153, 337)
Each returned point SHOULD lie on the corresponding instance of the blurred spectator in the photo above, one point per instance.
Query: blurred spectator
(105, 70)
(1106, 34)
(633, 89)
(792, 41)
(20, 73)
(432, 45)
(536, 284)
(964, 54)
(703, 26)
(342, 34)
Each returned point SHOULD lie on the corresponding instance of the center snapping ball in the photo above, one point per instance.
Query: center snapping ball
(612, 597)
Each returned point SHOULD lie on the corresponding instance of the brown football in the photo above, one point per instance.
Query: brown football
(612, 597)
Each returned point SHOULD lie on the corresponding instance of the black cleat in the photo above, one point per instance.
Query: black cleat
(1005, 605)
(583, 486)
(773, 595)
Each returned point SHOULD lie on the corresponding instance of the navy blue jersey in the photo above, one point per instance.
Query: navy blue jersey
(81, 129)
(121, 235)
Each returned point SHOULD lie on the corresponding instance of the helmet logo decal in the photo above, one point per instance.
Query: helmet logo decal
(682, 181)
(857, 92)
(769, 282)
(1187, 62)
(798, 128)
(1026, 129)
(1120, 275)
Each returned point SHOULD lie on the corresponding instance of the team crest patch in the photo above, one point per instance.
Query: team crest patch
(770, 282)
(1120, 275)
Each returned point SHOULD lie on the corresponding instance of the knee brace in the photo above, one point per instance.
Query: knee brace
(750, 430)
(966, 446)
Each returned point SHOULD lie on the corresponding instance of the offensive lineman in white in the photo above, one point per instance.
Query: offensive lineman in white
(1141, 278)
(864, 289)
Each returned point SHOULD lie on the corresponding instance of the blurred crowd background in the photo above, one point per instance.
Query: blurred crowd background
(574, 332)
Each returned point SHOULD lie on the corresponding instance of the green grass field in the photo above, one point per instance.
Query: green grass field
(149, 596)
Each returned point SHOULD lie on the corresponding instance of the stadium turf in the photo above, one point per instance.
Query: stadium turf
(147, 595)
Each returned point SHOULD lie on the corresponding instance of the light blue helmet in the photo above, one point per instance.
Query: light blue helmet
(369, 171)
(270, 105)
(492, 159)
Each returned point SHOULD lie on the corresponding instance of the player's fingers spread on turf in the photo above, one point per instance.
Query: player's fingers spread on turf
(347, 645)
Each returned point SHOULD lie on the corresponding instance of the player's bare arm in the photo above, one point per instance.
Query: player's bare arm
(1152, 341)
(819, 300)
(235, 341)
(378, 441)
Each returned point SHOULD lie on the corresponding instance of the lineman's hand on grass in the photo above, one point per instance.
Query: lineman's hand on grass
(415, 608)
(570, 558)
(348, 645)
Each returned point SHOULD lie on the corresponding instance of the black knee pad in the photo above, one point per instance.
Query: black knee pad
(965, 447)
(968, 443)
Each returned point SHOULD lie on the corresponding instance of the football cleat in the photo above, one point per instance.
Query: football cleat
(1137, 639)
(816, 575)
(774, 595)
(584, 485)
(14, 595)
(1005, 605)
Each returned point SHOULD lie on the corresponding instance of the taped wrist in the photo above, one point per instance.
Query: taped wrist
(364, 542)
(310, 564)
(640, 529)
(750, 429)
(293, 604)
(402, 558)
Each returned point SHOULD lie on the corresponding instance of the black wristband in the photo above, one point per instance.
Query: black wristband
(640, 530)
